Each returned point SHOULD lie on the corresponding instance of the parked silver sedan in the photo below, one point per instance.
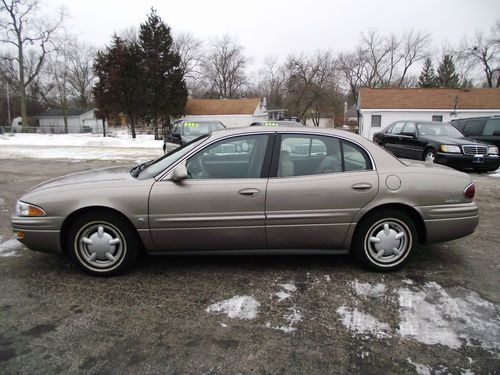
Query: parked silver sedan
(254, 190)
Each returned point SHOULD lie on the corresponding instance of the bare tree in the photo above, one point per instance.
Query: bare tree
(81, 74)
(271, 81)
(485, 51)
(22, 28)
(224, 67)
(311, 84)
(382, 61)
(189, 49)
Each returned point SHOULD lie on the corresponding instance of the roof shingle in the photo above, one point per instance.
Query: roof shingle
(429, 98)
(221, 106)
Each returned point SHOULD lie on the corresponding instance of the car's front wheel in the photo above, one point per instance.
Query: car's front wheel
(102, 244)
(384, 240)
(429, 155)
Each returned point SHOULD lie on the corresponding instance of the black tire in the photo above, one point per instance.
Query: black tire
(429, 151)
(390, 253)
(102, 258)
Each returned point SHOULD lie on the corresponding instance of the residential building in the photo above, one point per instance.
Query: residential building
(380, 107)
(79, 121)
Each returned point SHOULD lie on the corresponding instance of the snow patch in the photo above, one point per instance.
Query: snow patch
(328, 278)
(292, 317)
(10, 248)
(282, 296)
(288, 287)
(421, 369)
(408, 281)
(368, 290)
(239, 307)
(432, 316)
(361, 323)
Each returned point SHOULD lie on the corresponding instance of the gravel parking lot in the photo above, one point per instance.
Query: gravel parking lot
(249, 315)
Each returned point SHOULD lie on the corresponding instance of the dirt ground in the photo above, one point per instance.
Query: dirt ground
(313, 314)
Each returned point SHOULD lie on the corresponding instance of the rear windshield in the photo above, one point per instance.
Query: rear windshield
(199, 128)
(439, 129)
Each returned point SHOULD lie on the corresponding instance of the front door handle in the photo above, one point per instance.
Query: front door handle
(362, 186)
(249, 192)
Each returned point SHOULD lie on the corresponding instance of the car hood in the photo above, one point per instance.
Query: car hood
(91, 176)
(446, 140)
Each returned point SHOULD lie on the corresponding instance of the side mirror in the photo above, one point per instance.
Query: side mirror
(179, 173)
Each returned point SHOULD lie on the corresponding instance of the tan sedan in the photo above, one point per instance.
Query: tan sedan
(254, 190)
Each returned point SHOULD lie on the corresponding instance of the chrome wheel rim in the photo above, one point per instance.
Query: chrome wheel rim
(100, 246)
(429, 157)
(388, 242)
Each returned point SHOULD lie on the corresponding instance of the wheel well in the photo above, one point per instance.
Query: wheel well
(74, 215)
(408, 210)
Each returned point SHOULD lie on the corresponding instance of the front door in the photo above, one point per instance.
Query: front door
(320, 184)
(221, 206)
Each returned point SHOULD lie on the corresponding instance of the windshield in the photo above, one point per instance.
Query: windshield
(167, 160)
(439, 130)
(195, 129)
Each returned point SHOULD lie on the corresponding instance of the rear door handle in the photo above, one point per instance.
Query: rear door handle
(249, 192)
(362, 186)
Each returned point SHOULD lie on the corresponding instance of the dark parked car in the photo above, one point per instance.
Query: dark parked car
(437, 142)
(485, 129)
(183, 132)
(276, 123)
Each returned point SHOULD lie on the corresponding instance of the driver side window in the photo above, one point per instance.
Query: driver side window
(238, 157)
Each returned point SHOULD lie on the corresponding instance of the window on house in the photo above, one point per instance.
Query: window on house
(376, 120)
(437, 118)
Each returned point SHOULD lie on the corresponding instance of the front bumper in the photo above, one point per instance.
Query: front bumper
(486, 162)
(449, 222)
(39, 233)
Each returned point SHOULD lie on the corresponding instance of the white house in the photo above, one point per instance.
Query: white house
(380, 107)
(231, 112)
(79, 121)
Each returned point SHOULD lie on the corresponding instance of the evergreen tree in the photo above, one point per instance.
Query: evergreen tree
(119, 87)
(427, 77)
(165, 89)
(447, 76)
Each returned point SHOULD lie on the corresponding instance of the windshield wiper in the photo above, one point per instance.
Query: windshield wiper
(136, 171)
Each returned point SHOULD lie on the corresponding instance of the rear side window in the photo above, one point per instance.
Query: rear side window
(473, 127)
(302, 155)
(492, 126)
(409, 128)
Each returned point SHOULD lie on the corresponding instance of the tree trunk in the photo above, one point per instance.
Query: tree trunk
(155, 126)
(65, 116)
(132, 126)
(103, 127)
(22, 88)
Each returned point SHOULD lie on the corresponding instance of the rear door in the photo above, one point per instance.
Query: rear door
(410, 145)
(491, 132)
(314, 194)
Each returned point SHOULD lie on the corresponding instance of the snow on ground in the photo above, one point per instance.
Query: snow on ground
(368, 290)
(80, 146)
(362, 323)
(293, 317)
(433, 315)
(78, 140)
(10, 248)
(240, 307)
(421, 369)
(286, 292)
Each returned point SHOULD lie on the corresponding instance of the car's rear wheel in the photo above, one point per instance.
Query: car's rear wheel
(429, 155)
(384, 240)
(102, 244)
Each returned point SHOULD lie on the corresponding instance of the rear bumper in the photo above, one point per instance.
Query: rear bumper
(487, 162)
(39, 233)
(449, 222)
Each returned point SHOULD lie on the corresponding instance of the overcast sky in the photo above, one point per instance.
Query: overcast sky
(280, 27)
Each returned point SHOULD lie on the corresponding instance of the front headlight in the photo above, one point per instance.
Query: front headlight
(26, 209)
(451, 149)
(493, 150)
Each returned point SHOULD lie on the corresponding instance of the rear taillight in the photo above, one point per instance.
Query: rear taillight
(470, 191)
